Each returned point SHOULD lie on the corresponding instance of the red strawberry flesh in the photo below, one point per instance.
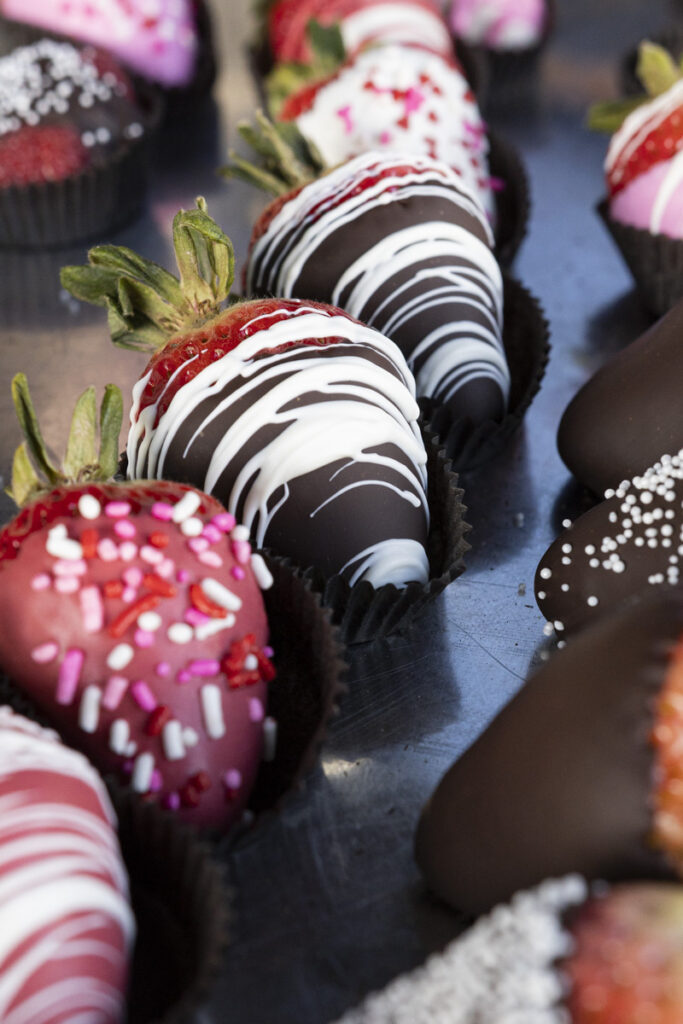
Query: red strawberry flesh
(661, 142)
(47, 152)
(667, 739)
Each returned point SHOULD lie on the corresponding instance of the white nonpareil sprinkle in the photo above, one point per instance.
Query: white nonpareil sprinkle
(212, 711)
(59, 545)
(262, 573)
(143, 770)
(120, 656)
(186, 507)
(500, 972)
(89, 710)
(172, 740)
(88, 506)
(180, 633)
(220, 595)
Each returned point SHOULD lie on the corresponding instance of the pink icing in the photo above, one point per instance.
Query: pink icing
(499, 24)
(156, 38)
(637, 204)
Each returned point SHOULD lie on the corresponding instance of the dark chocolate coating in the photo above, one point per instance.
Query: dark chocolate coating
(561, 780)
(630, 412)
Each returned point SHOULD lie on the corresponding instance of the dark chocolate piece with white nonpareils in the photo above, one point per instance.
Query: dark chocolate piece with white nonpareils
(630, 412)
(562, 779)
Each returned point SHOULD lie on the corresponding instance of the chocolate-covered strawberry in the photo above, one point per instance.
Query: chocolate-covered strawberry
(630, 541)
(582, 771)
(397, 241)
(299, 418)
(361, 23)
(133, 619)
(562, 953)
(400, 98)
(629, 412)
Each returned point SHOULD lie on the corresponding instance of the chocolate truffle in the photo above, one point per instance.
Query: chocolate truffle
(564, 778)
(65, 921)
(629, 413)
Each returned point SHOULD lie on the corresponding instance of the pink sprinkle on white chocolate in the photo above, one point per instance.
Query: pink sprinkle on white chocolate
(125, 529)
(67, 584)
(41, 582)
(114, 692)
(92, 609)
(153, 556)
(45, 653)
(197, 545)
(128, 551)
(238, 572)
(256, 712)
(211, 558)
(78, 568)
(143, 696)
(162, 511)
(107, 550)
(117, 509)
(162, 669)
(143, 639)
(69, 675)
(204, 667)
(211, 533)
(133, 577)
(224, 521)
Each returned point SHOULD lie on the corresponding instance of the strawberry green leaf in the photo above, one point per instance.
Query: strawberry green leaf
(25, 481)
(656, 69)
(81, 449)
(205, 257)
(327, 44)
(111, 418)
(28, 421)
(608, 117)
(288, 78)
(287, 159)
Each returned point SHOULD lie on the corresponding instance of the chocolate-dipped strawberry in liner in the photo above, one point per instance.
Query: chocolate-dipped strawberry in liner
(644, 175)
(399, 242)
(580, 772)
(632, 540)
(629, 412)
(562, 951)
(135, 625)
(299, 418)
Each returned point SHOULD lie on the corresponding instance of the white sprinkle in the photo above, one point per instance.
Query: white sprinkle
(262, 573)
(251, 662)
(541, 595)
(566, 523)
(131, 748)
(220, 594)
(213, 626)
(545, 574)
(120, 656)
(190, 737)
(89, 507)
(191, 527)
(172, 740)
(186, 507)
(60, 546)
(89, 710)
(150, 622)
(548, 629)
(180, 633)
(592, 601)
(269, 738)
(142, 773)
(212, 709)
(559, 625)
(564, 588)
(567, 549)
(239, 533)
(118, 735)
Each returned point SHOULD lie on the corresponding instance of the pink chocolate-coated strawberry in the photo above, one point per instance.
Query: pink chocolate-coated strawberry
(132, 617)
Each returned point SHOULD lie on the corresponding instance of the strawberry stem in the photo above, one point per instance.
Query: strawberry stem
(656, 70)
(145, 303)
(287, 159)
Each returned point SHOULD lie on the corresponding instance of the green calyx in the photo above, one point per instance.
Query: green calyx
(286, 160)
(329, 53)
(86, 459)
(146, 305)
(657, 71)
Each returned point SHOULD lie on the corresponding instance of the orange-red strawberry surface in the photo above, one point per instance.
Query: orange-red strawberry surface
(660, 139)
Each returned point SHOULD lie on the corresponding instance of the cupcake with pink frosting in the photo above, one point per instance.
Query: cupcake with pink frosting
(644, 175)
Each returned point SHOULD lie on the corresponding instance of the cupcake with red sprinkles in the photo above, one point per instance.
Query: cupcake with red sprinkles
(135, 623)
(74, 136)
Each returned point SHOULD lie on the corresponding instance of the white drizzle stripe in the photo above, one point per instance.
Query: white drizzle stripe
(666, 191)
(373, 400)
(63, 889)
(396, 23)
(639, 123)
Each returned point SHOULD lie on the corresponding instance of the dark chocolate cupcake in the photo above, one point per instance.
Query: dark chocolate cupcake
(75, 132)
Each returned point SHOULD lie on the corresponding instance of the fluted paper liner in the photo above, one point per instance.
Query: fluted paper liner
(83, 206)
(527, 348)
(655, 261)
(363, 612)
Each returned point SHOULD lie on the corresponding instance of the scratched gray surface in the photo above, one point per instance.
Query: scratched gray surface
(329, 903)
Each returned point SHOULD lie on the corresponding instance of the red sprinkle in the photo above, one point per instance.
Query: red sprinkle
(129, 615)
(189, 795)
(159, 539)
(157, 720)
(158, 585)
(89, 539)
(200, 781)
(113, 588)
(204, 604)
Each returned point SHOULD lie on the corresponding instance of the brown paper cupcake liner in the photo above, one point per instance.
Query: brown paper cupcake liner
(513, 204)
(302, 699)
(362, 612)
(87, 205)
(655, 261)
(671, 38)
(182, 911)
(527, 347)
